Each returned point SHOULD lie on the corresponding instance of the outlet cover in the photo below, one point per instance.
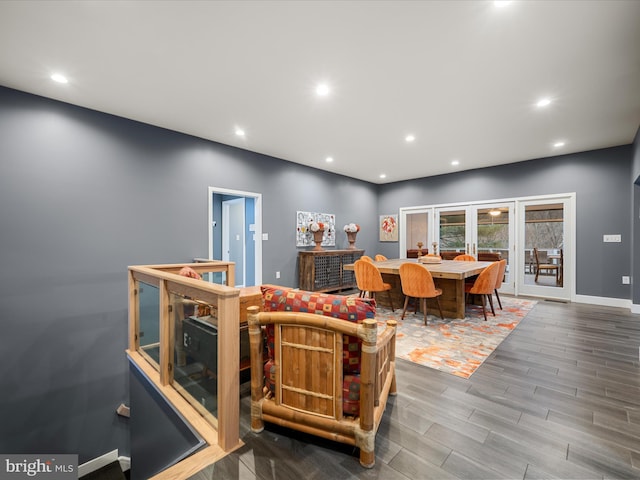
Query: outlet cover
(626, 280)
(612, 238)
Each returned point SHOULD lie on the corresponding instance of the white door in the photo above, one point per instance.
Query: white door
(233, 244)
(493, 231)
(416, 225)
(477, 229)
(546, 225)
(452, 227)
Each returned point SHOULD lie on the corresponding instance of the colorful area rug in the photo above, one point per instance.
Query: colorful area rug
(455, 346)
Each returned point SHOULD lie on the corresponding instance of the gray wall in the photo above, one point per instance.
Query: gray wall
(83, 195)
(603, 202)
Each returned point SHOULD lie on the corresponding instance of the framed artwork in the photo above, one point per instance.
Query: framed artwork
(388, 228)
(304, 238)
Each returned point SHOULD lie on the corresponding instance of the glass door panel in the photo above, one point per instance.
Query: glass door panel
(415, 232)
(452, 232)
(494, 236)
(543, 254)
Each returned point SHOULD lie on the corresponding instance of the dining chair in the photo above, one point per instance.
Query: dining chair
(369, 280)
(417, 283)
(366, 258)
(500, 278)
(379, 258)
(484, 286)
(465, 258)
(541, 265)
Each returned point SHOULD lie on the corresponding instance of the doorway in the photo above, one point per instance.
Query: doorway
(510, 228)
(485, 231)
(546, 253)
(235, 232)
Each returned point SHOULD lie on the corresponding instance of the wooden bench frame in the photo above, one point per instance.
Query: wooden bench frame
(309, 377)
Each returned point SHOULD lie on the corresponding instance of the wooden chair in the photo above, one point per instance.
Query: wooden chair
(541, 265)
(465, 258)
(366, 258)
(500, 278)
(417, 283)
(380, 258)
(308, 376)
(369, 280)
(484, 286)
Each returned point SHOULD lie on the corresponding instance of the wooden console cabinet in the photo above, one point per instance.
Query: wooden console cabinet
(322, 271)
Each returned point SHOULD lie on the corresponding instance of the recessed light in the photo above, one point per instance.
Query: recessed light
(58, 77)
(329, 159)
(409, 138)
(322, 90)
(559, 144)
(383, 175)
(240, 132)
(455, 163)
(501, 3)
(543, 102)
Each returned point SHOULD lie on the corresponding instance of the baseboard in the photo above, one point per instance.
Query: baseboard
(98, 462)
(605, 301)
(635, 308)
(125, 463)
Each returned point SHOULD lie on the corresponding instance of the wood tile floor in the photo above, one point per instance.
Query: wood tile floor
(558, 399)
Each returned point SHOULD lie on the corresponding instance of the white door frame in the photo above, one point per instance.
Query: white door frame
(257, 224)
(402, 237)
(228, 227)
(568, 291)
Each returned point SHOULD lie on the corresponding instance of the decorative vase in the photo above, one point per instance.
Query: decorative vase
(351, 236)
(317, 237)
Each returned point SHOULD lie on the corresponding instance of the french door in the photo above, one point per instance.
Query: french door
(479, 229)
(416, 232)
(512, 228)
(546, 248)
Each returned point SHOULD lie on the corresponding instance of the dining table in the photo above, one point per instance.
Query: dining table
(449, 275)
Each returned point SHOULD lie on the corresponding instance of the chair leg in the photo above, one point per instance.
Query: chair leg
(484, 310)
(440, 308)
(404, 310)
(390, 300)
(498, 297)
(424, 308)
(490, 297)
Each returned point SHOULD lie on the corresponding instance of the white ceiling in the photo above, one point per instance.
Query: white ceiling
(462, 76)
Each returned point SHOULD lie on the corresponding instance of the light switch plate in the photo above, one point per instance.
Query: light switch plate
(612, 238)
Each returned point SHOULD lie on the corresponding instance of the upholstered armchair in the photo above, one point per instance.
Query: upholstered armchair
(329, 370)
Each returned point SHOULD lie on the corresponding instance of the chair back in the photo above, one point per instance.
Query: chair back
(368, 277)
(539, 256)
(380, 258)
(366, 258)
(485, 284)
(465, 258)
(417, 281)
(501, 270)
